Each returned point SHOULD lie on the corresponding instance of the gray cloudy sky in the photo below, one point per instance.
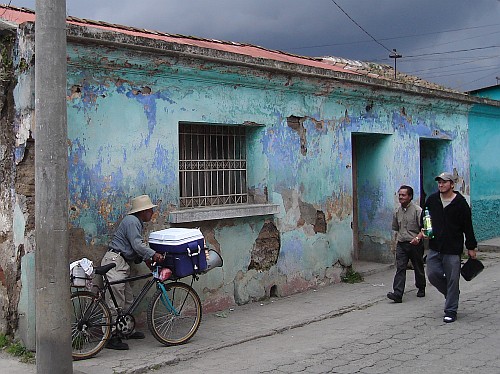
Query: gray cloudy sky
(428, 33)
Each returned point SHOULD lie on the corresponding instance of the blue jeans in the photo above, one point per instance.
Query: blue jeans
(443, 272)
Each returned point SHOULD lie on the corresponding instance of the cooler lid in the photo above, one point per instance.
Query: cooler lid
(175, 235)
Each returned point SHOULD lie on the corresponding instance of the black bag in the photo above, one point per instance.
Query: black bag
(471, 269)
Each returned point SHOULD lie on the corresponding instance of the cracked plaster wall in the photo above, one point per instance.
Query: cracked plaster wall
(124, 108)
(484, 137)
(17, 174)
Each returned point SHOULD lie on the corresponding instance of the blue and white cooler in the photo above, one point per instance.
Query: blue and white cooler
(183, 248)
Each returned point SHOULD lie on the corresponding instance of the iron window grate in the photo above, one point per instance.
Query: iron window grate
(212, 165)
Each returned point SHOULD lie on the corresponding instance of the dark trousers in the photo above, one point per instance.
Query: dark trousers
(415, 253)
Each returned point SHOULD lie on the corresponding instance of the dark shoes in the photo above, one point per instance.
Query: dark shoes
(399, 299)
(449, 317)
(394, 297)
(136, 335)
(116, 343)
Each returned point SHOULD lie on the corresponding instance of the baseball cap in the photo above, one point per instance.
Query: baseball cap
(445, 176)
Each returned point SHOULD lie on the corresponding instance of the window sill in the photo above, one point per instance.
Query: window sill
(222, 212)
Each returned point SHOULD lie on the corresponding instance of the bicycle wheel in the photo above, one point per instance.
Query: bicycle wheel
(90, 324)
(174, 321)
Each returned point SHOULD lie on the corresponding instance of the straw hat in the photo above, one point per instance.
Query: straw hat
(140, 203)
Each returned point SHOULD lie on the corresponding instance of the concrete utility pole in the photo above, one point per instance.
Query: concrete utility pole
(53, 331)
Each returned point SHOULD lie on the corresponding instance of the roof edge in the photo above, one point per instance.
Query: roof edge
(84, 34)
(7, 25)
(87, 31)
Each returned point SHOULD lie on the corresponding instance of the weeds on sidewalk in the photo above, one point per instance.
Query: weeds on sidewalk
(351, 276)
(16, 349)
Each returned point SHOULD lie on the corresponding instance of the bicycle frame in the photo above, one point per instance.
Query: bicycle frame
(145, 289)
(93, 322)
(166, 301)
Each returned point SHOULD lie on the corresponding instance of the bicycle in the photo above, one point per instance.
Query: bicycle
(173, 316)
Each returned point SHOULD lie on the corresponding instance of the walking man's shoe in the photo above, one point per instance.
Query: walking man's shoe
(394, 297)
(421, 292)
(116, 343)
(449, 318)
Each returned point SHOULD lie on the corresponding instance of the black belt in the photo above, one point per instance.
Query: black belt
(119, 253)
(116, 251)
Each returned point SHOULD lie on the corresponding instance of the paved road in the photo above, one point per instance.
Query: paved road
(342, 328)
(381, 338)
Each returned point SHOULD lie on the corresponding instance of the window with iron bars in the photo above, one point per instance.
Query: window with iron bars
(212, 165)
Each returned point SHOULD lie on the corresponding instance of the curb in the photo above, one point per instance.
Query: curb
(490, 245)
(488, 248)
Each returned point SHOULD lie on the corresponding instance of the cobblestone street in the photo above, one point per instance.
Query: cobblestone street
(381, 338)
(342, 328)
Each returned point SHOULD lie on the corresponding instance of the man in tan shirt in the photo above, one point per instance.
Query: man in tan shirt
(406, 223)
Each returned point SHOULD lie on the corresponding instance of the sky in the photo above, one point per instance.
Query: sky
(454, 43)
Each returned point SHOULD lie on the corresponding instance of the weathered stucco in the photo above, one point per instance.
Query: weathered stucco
(484, 138)
(17, 187)
(331, 154)
(16, 178)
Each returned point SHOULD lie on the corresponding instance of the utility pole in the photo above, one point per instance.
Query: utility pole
(53, 330)
(395, 55)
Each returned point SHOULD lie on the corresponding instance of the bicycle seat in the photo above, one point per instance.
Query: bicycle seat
(101, 270)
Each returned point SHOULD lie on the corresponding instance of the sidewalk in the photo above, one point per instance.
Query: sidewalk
(246, 323)
(490, 245)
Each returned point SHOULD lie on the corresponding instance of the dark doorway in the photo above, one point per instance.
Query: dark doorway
(435, 157)
(371, 154)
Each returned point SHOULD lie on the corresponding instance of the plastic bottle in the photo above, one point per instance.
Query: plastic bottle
(428, 224)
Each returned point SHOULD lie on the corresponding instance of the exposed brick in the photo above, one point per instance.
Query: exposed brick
(266, 249)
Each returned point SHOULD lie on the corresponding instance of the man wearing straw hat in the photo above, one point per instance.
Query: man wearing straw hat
(128, 246)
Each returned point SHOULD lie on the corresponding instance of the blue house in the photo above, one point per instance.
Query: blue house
(484, 138)
(289, 165)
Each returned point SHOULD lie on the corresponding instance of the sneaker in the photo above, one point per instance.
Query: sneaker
(136, 335)
(116, 343)
(421, 292)
(449, 318)
(394, 297)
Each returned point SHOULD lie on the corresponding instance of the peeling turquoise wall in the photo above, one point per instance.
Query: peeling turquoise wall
(124, 109)
(123, 116)
(26, 306)
(484, 132)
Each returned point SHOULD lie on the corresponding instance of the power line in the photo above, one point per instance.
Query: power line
(393, 54)
(439, 53)
(465, 58)
(448, 66)
(475, 80)
(460, 40)
(400, 37)
(459, 72)
(357, 24)
(457, 51)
